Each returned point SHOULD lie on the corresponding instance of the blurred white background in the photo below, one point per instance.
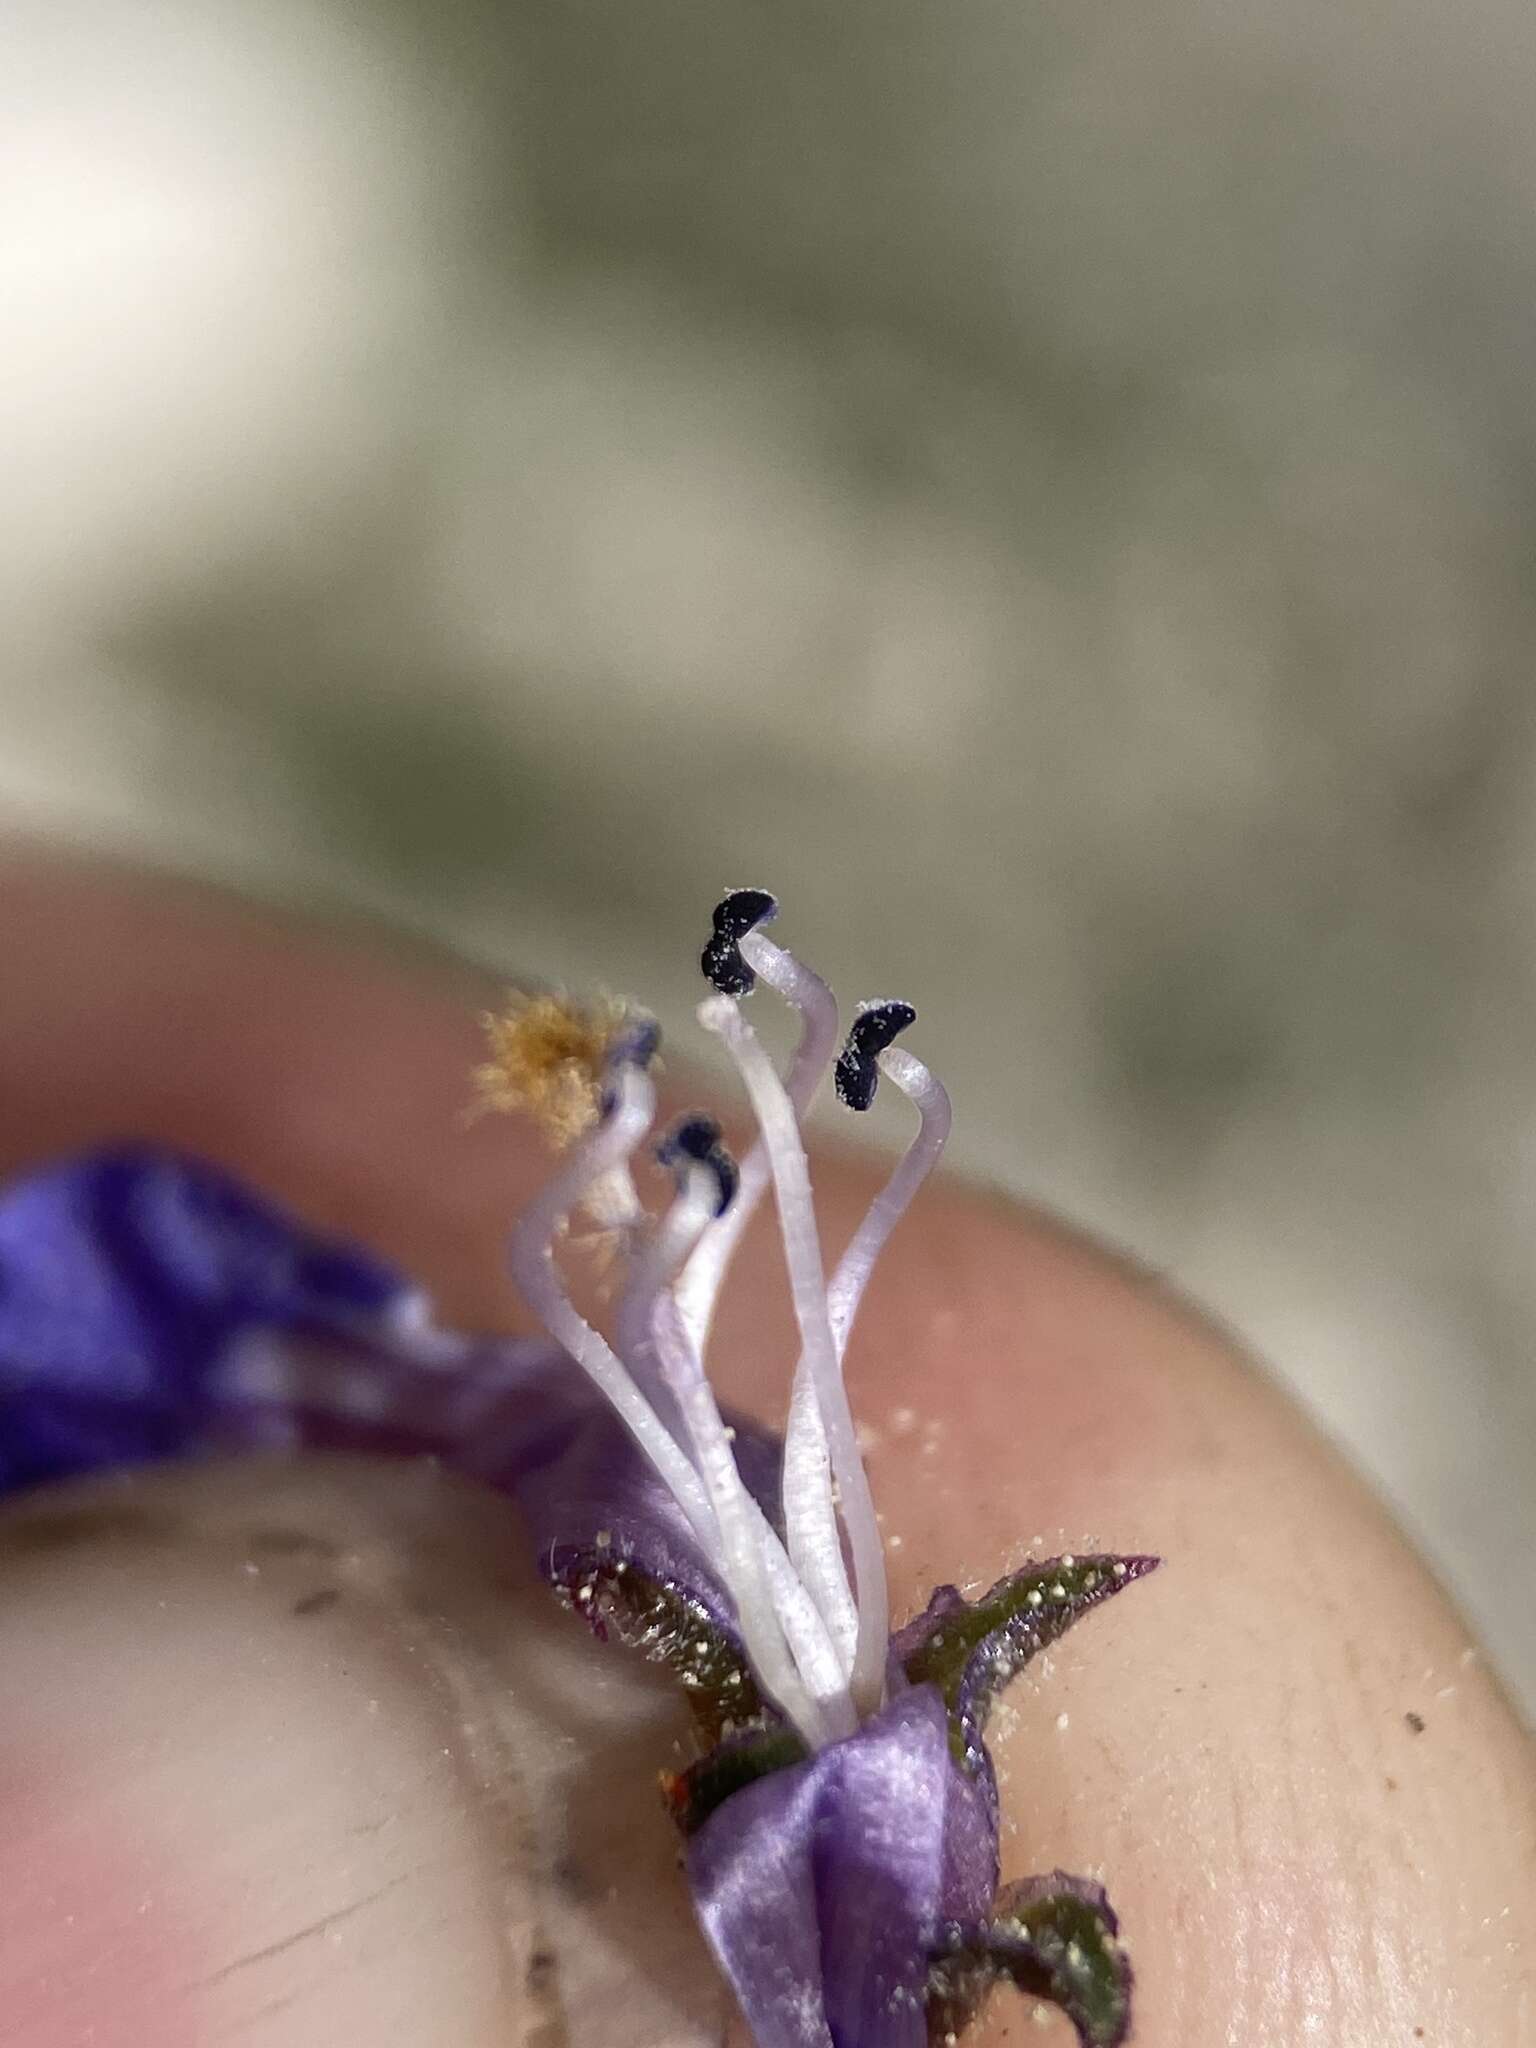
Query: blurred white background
(1048, 489)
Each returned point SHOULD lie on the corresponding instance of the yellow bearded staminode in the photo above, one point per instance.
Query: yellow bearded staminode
(548, 1054)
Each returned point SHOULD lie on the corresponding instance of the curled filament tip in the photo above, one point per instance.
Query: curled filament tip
(736, 914)
(857, 1073)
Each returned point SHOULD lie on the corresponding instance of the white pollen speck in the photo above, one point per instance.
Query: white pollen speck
(604, 1538)
(730, 1434)
(251, 1569)
(903, 1419)
(1069, 1560)
(1120, 1568)
(1468, 1658)
(1063, 1723)
(1058, 1591)
(1035, 1597)
(893, 1543)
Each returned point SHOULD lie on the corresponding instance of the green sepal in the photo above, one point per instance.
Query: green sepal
(618, 1600)
(970, 1649)
(740, 1760)
(1054, 1938)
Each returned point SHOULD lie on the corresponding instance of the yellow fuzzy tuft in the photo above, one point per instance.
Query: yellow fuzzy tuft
(547, 1054)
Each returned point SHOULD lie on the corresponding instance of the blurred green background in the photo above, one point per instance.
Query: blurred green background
(1049, 488)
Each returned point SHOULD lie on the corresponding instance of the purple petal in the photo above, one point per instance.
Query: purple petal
(822, 1886)
(126, 1279)
(151, 1307)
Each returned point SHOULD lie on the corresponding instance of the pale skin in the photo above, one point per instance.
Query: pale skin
(277, 1742)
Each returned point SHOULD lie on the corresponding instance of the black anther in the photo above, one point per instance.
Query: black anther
(856, 1075)
(691, 1137)
(742, 911)
(696, 1140)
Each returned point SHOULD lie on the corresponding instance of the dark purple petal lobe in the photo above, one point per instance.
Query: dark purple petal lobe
(128, 1281)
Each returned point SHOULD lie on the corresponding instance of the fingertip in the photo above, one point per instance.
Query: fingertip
(304, 1751)
(1229, 1744)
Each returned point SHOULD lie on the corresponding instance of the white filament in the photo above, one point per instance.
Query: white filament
(653, 1269)
(699, 1288)
(809, 1516)
(802, 1256)
(768, 1594)
(769, 1625)
(931, 1100)
(533, 1267)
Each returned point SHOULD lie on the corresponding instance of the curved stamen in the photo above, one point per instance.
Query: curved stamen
(802, 1253)
(698, 1290)
(592, 1166)
(656, 1260)
(810, 1517)
(807, 1512)
(931, 1100)
(693, 1142)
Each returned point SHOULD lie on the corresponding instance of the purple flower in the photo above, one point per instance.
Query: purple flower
(841, 1819)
